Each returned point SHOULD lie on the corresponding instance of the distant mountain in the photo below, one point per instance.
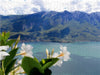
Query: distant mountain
(53, 26)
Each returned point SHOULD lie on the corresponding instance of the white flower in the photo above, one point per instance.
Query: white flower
(63, 56)
(26, 50)
(19, 70)
(59, 62)
(3, 55)
(20, 61)
(4, 48)
(66, 56)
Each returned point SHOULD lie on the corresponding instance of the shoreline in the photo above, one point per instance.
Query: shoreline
(56, 41)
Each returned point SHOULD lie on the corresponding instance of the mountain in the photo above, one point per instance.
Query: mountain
(53, 26)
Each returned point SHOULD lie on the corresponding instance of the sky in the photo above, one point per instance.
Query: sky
(17, 7)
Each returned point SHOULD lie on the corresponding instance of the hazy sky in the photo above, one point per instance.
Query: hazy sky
(8, 7)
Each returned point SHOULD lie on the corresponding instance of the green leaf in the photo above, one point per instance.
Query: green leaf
(31, 65)
(17, 41)
(3, 34)
(35, 71)
(0, 37)
(36, 59)
(43, 61)
(49, 62)
(47, 72)
(10, 66)
(10, 42)
(6, 35)
(1, 73)
(8, 59)
(2, 42)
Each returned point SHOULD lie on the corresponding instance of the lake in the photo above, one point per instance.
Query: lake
(85, 57)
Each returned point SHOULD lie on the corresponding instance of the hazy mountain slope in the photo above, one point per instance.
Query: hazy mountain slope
(53, 26)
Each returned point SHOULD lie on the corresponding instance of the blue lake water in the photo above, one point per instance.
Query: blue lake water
(85, 57)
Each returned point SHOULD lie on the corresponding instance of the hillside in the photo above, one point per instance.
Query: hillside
(53, 26)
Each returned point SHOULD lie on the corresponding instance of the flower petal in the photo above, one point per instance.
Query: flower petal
(4, 48)
(3, 55)
(27, 50)
(58, 63)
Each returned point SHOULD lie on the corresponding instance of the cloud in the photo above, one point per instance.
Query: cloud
(73, 5)
(74, 2)
(13, 7)
(39, 3)
(56, 5)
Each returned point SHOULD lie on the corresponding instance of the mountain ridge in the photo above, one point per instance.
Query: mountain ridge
(53, 26)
